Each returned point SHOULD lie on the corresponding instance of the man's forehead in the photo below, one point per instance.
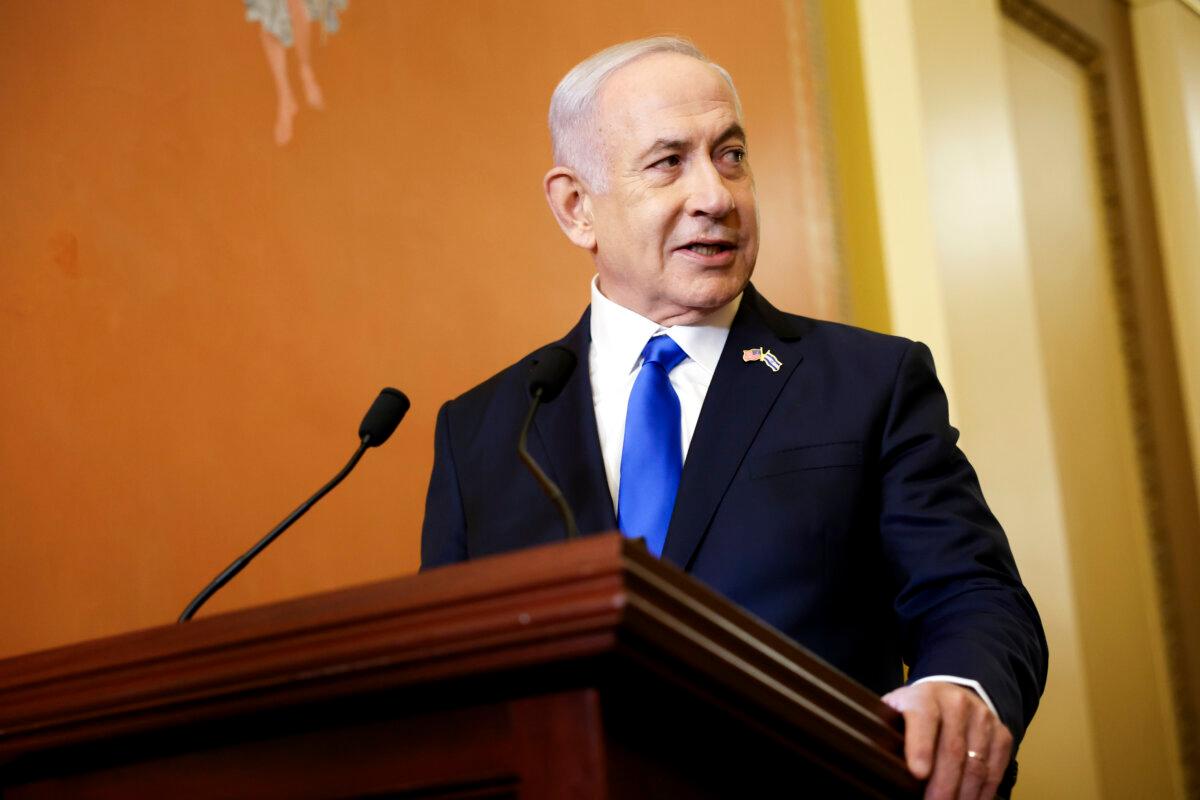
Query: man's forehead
(666, 89)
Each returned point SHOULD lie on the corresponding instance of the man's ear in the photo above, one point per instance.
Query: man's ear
(571, 203)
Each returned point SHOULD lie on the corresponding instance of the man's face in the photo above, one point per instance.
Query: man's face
(676, 227)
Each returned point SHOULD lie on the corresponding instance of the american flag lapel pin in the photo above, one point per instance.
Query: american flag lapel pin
(763, 355)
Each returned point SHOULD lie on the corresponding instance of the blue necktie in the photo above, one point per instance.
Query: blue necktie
(652, 456)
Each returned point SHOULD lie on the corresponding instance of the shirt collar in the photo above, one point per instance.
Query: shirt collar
(618, 334)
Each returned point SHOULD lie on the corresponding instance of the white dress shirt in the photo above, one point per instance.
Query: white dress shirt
(614, 359)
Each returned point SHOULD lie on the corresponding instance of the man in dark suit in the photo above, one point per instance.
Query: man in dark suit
(805, 469)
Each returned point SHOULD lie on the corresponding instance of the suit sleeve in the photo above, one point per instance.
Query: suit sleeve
(444, 532)
(959, 599)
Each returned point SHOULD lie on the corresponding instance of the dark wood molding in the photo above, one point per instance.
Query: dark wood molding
(522, 642)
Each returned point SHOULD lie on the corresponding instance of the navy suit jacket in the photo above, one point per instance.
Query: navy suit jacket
(828, 498)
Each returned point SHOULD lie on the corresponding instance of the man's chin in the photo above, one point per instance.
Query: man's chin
(701, 298)
(712, 291)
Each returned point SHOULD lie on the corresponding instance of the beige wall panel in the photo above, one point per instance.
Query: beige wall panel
(946, 167)
(1092, 421)
(854, 166)
(1167, 35)
(987, 288)
(963, 268)
(916, 305)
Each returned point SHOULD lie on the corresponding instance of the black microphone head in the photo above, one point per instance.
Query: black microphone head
(383, 416)
(552, 366)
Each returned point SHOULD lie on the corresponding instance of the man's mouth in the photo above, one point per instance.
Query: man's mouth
(708, 248)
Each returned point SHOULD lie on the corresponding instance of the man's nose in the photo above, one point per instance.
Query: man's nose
(707, 193)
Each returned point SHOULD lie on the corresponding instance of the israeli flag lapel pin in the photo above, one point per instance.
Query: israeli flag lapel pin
(763, 355)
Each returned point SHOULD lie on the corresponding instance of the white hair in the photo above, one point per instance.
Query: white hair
(572, 106)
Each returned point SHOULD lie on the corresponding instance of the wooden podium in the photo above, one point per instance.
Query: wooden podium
(586, 669)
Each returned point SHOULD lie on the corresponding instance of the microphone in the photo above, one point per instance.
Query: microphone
(382, 417)
(552, 366)
(380, 421)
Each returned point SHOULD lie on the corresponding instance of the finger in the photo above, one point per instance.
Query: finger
(998, 757)
(976, 769)
(920, 732)
(955, 710)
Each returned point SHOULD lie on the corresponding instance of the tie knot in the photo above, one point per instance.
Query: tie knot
(663, 351)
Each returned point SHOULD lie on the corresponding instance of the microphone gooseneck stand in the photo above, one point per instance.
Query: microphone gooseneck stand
(240, 563)
(378, 424)
(548, 486)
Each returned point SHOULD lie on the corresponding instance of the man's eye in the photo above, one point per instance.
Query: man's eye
(736, 155)
(669, 161)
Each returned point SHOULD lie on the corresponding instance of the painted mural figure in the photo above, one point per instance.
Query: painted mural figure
(282, 23)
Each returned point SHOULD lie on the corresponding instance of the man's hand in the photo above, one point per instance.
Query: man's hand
(952, 738)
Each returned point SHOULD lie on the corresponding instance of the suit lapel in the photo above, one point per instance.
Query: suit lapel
(566, 429)
(739, 398)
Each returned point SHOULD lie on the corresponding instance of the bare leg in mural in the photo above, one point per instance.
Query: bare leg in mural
(284, 22)
(302, 28)
(286, 101)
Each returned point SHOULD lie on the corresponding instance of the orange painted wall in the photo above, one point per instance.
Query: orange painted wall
(193, 320)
